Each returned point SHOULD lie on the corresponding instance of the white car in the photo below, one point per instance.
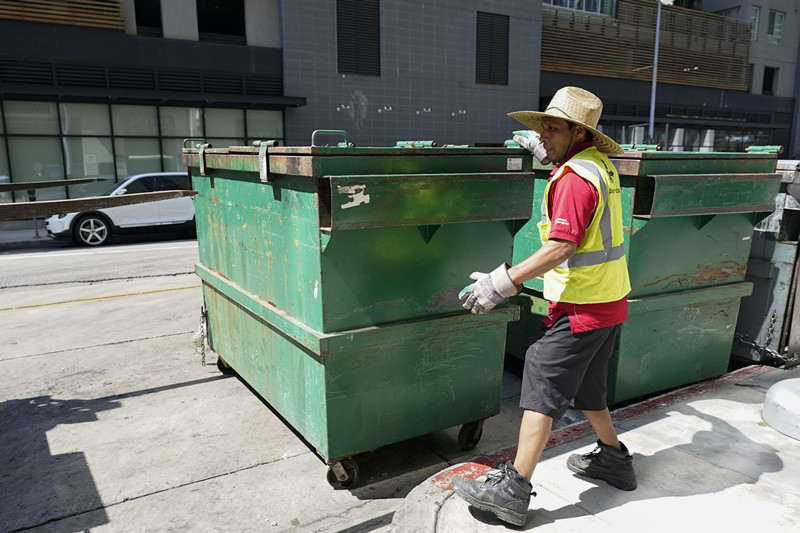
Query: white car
(93, 228)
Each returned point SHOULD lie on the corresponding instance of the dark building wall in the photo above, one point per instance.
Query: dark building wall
(426, 90)
(60, 61)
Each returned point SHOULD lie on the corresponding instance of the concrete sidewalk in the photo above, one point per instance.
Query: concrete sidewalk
(15, 234)
(704, 458)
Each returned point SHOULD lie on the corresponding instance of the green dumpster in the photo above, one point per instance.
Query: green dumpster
(689, 221)
(330, 279)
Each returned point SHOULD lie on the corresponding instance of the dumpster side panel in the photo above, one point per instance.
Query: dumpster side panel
(674, 254)
(287, 375)
(428, 383)
(379, 275)
(673, 340)
(263, 237)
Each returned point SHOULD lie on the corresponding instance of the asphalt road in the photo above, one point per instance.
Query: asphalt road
(110, 422)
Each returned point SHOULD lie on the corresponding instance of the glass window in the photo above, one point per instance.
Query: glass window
(31, 117)
(264, 125)
(224, 122)
(37, 159)
(148, 18)
(143, 184)
(770, 81)
(85, 119)
(602, 7)
(775, 27)
(754, 15)
(88, 157)
(221, 20)
(181, 122)
(136, 156)
(172, 183)
(5, 197)
(171, 155)
(134, 120)
(730, 13)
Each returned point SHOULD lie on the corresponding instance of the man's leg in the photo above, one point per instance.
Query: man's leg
(534, 430)
(603, 426)
(610, 460)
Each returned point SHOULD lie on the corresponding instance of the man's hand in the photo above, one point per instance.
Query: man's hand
(488, 290)
(530, 140)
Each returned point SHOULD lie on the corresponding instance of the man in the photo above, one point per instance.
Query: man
(582, 260)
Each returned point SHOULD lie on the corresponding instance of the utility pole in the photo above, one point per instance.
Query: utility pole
(655, 74)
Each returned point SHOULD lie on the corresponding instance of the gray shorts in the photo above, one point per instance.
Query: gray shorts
(562, 367)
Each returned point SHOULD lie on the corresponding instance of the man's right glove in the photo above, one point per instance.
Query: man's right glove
(530, 140)
(488, 290)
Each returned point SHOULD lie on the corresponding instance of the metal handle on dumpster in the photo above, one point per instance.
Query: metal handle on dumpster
(196, 142)
(330, 132)
(263, 159)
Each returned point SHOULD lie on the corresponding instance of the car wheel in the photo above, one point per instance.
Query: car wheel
(92, 230)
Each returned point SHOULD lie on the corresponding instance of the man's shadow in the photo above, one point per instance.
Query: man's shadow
(36, 486)
(743, 459)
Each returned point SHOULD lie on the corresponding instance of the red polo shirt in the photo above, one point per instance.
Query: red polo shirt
(573, 201)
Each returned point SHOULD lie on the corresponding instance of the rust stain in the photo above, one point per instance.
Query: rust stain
(679, 279)
(711, 272)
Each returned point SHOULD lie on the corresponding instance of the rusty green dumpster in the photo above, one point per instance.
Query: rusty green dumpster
(689, 221)
(330, 278)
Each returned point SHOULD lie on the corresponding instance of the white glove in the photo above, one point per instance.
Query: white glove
(488, 290)
(529, 140)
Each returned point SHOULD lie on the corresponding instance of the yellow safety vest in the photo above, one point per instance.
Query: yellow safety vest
(598, 271)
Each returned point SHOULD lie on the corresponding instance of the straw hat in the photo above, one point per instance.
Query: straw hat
(574, 105)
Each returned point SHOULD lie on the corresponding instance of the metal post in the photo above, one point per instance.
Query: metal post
(655, 74)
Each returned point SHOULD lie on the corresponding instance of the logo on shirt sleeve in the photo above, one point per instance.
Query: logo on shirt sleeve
(561, 221)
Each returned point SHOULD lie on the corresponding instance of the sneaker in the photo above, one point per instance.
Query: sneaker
(504, 492)
(605, 462)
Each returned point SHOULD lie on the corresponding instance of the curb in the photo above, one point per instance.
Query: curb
(420, 508)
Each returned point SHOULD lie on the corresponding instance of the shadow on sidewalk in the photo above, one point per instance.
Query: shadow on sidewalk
(40, 488)
(660, 476)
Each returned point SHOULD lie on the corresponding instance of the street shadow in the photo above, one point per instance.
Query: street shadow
(38, 487)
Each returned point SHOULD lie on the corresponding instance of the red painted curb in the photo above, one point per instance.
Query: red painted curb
(481, 464)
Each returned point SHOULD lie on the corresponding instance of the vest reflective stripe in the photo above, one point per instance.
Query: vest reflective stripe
(609, 251)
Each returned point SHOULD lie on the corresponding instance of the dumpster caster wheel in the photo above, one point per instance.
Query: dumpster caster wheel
(223, 367)
(470, 434)
(343, 474)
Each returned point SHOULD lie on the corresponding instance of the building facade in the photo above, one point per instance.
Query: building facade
(113, 88)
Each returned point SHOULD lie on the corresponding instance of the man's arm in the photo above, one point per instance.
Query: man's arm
(550, 255)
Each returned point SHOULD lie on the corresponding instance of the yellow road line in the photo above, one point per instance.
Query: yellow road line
(97, 298)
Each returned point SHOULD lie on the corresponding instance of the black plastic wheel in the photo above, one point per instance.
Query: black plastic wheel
(470, 434)
(223, 367)
(349, 472)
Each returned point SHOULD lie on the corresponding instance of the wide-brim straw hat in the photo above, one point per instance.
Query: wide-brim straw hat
(574, 105)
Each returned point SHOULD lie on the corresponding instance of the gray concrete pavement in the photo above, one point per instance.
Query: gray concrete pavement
(110, 423)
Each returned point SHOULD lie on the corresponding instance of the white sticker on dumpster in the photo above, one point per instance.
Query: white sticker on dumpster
(514, 163)
(356, 194)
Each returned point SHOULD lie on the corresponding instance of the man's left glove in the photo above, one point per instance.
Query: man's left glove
(530, 140)
(488, 290)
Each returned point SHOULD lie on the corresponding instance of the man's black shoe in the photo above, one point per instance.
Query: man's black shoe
(613, 466)
(504, 492)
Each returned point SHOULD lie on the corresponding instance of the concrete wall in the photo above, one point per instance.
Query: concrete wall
(427, 88)
(179, 19)
(262, 23)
